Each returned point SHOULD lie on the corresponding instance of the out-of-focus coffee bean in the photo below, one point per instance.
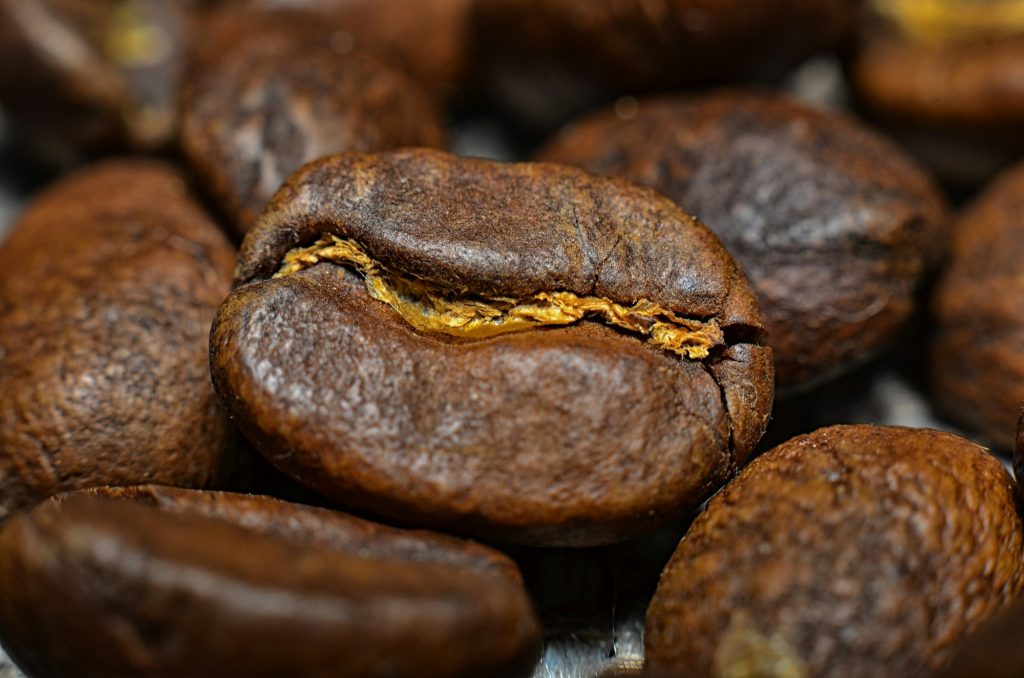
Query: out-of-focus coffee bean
(178, 582)
(977, 361)
(108, 284)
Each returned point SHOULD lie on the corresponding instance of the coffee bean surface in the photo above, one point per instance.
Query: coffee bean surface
(147, 573)
(977, 361)
(834, 226)
(523, 351)
(270, 92)
(851, 551)
(108, 284)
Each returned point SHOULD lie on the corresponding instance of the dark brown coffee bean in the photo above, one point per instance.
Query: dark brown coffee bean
(852, 551)
(271, 92)
(107, 288)
(833, 225)
(87, 74)
(544, 57)
(524, 351)
(978, 352)
(214, 584)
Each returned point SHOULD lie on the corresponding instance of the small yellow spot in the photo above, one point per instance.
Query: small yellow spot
(746, 652)
(429, 308)
(132, 40)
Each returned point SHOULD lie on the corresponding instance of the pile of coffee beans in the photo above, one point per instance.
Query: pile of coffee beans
(298, 377)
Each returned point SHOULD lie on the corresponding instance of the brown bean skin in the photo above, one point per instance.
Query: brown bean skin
(851, 551)
(834, 226)
(977, 356)
(270, 91)
(563, 435)
(147, 573)
(107, 287)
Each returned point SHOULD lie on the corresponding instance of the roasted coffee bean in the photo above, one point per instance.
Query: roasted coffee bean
(545, 57)
(83, 75)
(947, 78)
(214, 584)
(833, 225)
(523, 351)
(978, 351)
(852, 551)
(107, 288)
(950, 62)
(270, 93)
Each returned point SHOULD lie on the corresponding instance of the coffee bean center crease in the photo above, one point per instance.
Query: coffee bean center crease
(430, 308)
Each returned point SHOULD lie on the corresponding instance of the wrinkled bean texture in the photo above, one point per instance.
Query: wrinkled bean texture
(83, 76)
(851, 551)
(147, 573)
(108, 284)
(834, 226)
(977, 360)
(576, 434)
(271, 91)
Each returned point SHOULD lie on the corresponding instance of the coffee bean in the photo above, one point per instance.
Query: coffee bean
(82, 75)
(107, 287)
(177, 582)
(271, 93)
(833, 225)
(955, 63)
(852, 551)
(945, 77)
(546, 58)
(978, 355)
(522, 351)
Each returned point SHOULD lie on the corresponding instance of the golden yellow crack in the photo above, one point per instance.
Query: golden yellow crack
(944, 20)
(430, 308)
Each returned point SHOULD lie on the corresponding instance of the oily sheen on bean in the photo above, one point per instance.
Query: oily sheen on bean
(175, 582)
(523, 351)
